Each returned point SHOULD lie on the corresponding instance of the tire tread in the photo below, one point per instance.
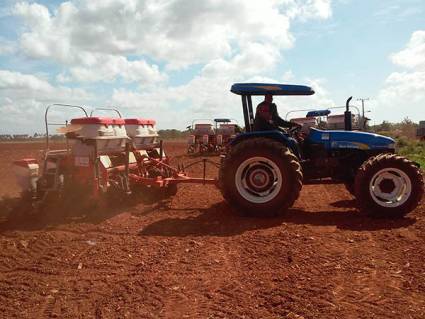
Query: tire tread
(279, 150)
(395, 161)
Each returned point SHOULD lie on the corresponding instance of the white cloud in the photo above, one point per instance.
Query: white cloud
(413, 56)
(208, 97)
(105, 40)
(23, 98)
(405, 90)
(402, 89)
(88, 49)
(179, 33)
(24, 86)
(320, 100)
(175, 107)
(254, 58)
(107, 68)
(309, 9)
(288, 76)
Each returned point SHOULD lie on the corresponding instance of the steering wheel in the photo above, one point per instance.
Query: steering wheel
(293, 131)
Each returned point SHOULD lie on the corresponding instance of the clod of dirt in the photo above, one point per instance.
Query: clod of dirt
(24, 243)
(292, 315)
(91, 242)
(237, 267)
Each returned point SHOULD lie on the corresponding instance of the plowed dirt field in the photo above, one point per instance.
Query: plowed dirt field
(194, 257)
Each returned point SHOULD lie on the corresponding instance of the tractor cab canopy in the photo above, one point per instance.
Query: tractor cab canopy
(274, 89)
(225, 122)
(246, 90)
(222, 120)
(318, 113)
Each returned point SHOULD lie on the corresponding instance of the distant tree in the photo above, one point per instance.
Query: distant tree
(172, 134)
(385, 126)
(408, 127)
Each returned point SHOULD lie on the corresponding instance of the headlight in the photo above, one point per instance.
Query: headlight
(391, 145)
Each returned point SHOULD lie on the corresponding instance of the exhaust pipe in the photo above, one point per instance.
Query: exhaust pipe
(347, 115)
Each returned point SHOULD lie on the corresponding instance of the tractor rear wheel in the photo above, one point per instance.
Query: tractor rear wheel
(388, 185)
(260, 177)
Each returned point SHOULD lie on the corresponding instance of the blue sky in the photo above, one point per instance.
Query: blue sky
(176, 60)
(351, 50)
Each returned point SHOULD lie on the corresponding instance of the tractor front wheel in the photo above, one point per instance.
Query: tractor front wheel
(388, 185)
(260, 177)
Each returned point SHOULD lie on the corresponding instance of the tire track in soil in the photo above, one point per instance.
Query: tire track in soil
(367, 291)
(322, 260)
(216, 268)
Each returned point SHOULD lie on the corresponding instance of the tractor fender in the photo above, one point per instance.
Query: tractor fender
(276, 135)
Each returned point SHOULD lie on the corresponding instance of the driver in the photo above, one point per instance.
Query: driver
(267, 118)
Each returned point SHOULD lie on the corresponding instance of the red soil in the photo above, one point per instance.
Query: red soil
(194, 257)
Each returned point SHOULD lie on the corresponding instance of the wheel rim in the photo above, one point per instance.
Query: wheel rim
(258, 180)
(390, 187)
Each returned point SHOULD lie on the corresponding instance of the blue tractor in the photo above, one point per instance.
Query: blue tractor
(263, 172)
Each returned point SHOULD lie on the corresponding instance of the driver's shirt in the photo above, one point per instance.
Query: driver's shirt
(267, 118)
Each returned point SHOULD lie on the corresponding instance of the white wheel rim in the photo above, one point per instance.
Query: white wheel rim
(258, 180)
(390, 187)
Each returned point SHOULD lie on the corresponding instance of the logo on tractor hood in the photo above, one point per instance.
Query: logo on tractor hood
(347, 144)
(325, 136)
(360, 140)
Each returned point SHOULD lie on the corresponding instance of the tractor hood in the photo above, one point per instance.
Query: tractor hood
(351, 140)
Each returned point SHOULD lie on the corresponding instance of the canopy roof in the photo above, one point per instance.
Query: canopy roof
(270, 88)
(222, 120)
(318, 113)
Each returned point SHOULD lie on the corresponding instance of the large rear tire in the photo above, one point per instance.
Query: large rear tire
(388, 185)
(260, 177)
